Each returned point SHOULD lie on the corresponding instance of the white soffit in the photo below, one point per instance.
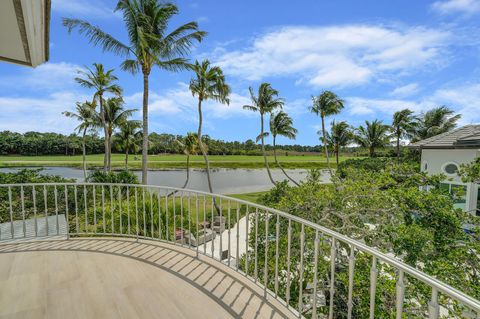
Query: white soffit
(24, 31)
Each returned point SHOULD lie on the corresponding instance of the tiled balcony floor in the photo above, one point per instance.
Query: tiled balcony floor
(120, 278)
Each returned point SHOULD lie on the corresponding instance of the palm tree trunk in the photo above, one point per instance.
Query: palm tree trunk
(145, 128)
(110, 149)
(372, 151)
(102, 118)
(398, 147)
(188, 172)
(263, 150)
(325, 146)
(84, 155)
(126, 158)
(278, 164)
(337, 150)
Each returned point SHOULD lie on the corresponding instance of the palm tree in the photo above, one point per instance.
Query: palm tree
(403, 125)
(207, 84)
(115, 115)
(85, 114)
(282, 124)
(189, 146)
(339, 137)
(436, 121)
(128, 137)
(373, 135)
(101, 81)
(265, 102)
(151, 44)
(326, 104)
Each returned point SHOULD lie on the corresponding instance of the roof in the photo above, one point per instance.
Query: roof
(25, 31)
(464, 137)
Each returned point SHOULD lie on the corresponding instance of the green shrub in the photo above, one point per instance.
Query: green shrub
(121, 177)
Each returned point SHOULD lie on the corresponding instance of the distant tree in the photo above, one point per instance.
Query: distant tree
(403, 126)
(282, 124)
(85, 114)
(326, 104)
(128, 137)
(340, 136)
(265, 102)
(208, 83)
(102, 82)
(151, 44)
(436, 121)
(374, 135)
(115, 115)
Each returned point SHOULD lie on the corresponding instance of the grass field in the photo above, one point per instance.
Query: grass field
(169, 161)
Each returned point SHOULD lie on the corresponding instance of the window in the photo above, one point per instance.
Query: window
(458, 193)
(450, 168)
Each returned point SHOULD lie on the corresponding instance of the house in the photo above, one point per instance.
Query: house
(24, 31)
(444, 153)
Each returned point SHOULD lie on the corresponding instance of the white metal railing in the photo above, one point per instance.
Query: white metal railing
(311, 269)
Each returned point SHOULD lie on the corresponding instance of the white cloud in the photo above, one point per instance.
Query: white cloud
(465, 7)
(406, 90)
(381, 107)
(83, 8)
(337, 55)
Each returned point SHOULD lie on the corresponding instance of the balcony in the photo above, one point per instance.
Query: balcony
(134, 251)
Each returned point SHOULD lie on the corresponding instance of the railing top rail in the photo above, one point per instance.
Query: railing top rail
(417, 274)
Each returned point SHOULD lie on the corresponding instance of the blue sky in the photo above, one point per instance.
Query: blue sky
(379, 56)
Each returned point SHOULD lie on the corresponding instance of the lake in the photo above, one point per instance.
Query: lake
(225, 181)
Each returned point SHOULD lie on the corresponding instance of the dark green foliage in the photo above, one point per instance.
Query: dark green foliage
(120, 177)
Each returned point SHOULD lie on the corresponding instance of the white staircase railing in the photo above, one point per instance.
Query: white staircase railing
(316, 272)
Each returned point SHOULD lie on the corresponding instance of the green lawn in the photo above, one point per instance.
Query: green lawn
(168, 161)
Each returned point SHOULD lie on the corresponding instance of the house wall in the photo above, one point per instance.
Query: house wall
(434, 160)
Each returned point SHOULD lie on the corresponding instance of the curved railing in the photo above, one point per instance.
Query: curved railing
(314, 271)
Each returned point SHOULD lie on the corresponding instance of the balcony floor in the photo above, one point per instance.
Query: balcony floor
(119, 278)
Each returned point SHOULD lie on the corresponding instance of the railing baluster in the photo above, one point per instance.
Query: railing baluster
(166, 216)
(246, 239)
(433, 307)
(174, 204)
(112, 209)
(12, 232)
(333, 256)
(189, 220)
(159, 201)
(300, 280)
(67, 212)
(34, 199)
(228, 225)
(144, 213)
(277, 255)
(103, 210)
(137, 227)
(22, 200)
(128, 211)
(237, 254)
(220, 248)
(351, 270)
(45, 203)
(205, 224)
(400, 289)
(120, 208)
(315, 275)
(289, 244)
(197, 221)
(265, 268)
(373, 286)
(151, 214)
(211, 226)
(56, 208)
(256, 246)
(181, 218)
(75, 195)
(85, 205)
(94, 192)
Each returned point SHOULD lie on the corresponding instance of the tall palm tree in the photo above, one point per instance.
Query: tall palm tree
(128, 137)
(208, 83)
(326, 104)
(115, 115)
(339, 137)
(102, 82)
(150, 43)
(265, 102)
(403, 125)
(282, 124)
(85, 114)
(373, 135)
(436, 121)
